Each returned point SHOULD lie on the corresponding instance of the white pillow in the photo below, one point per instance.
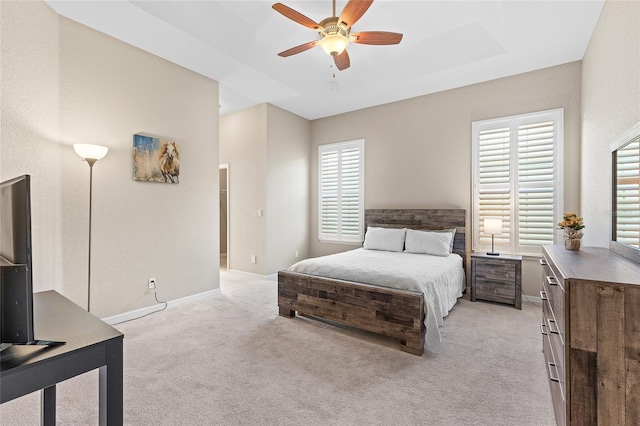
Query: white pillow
(436, 243)
(387, 239)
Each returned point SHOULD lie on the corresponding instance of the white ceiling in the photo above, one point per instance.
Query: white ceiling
(446, 44)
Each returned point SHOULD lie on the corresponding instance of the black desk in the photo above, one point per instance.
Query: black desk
(91, 344)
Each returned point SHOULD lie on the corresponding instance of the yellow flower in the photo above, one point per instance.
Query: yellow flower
(571, 220)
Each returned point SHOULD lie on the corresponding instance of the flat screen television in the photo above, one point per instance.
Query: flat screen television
(16, 291)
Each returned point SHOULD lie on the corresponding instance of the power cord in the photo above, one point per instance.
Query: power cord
(155, 296)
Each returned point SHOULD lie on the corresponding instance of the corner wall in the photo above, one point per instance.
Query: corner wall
(288, 201)
(243, 145)
(92, 88)
(610, 106)
(267, 149)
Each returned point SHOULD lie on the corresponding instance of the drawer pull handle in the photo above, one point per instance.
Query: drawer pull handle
(553, 330)
(542, 329)
(552, 280)
(551, 366)
(543, 262)
(496, 264)
(543, 295)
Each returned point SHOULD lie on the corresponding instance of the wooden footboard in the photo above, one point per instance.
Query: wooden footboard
(394, 313)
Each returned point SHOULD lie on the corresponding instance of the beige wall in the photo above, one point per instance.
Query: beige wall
(63, 83)
(267, 150)
(29, 126)
(418, 151)
(243, 145)
(287, 188)
(610, 106)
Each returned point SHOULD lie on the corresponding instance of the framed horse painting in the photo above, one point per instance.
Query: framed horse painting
(155, 159)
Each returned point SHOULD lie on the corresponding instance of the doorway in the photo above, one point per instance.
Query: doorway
(224, 217)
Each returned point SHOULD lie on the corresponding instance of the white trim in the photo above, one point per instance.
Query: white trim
(625, 138)
(220, 167)
(513, 123)
(236, 271)
(131, 315)
(532, 299)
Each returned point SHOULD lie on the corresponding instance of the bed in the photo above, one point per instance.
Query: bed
(363, 296)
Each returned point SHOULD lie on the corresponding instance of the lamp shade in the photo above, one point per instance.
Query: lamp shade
(86, 150)
(493, 225)
(334, 44)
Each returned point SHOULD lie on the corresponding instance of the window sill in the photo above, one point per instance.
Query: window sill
(351, 243)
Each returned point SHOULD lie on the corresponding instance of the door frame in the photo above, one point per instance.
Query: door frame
(226, 167)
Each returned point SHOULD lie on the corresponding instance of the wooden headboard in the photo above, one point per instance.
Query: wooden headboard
(422, 219)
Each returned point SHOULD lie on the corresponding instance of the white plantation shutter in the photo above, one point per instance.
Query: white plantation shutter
(494, 174)
(536, 221)
(627, 196)
(516, 177)
(340, 191)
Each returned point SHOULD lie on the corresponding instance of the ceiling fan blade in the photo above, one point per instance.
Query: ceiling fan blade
(342, 60)
(296, 16)
(298, 49)
(353, 11)
(376, 37)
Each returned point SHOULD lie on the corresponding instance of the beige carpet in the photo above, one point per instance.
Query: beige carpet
(230, 359)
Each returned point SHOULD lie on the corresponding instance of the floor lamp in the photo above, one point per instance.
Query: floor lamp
(90, 154)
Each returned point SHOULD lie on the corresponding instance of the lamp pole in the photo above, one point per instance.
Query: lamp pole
(90, 162)
(90, 153)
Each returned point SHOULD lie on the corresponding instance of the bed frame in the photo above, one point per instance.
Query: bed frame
(394, 313)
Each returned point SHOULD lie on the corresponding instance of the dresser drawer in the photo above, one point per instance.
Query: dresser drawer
(557, 395)
(555, 294)
(555, 342)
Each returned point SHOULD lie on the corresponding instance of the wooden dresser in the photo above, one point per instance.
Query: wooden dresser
(591, 335)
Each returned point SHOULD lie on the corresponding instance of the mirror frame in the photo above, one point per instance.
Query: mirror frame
(629, 252)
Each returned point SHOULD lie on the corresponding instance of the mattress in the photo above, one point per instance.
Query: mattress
(440, 279)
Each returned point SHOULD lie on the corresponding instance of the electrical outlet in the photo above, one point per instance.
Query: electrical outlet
(152, 283)
(253, 258)
(296, 253)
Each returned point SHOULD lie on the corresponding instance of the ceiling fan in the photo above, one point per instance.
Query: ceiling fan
(335, 31)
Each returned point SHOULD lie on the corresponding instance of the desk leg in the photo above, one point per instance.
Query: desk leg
(111, 399)
(48, 406)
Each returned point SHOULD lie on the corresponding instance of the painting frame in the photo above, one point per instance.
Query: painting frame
(155, 159)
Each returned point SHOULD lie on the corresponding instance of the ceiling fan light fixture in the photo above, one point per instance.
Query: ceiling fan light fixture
(334, 44)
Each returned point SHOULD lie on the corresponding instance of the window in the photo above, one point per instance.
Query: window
(341, 191)
(627, 194)
(517, 176)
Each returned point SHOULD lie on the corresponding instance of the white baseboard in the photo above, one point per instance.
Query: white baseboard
(264, 277)
(138, 313)
(534, 299)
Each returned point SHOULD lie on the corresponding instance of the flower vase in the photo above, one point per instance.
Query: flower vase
(572, 243)
(572, 239)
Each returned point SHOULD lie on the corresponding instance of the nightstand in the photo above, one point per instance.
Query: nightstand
(497, 278)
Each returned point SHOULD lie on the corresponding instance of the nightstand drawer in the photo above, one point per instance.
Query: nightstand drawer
(496, 271)
(498, 291)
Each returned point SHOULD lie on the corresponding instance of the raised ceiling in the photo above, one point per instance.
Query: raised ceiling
(446, 44)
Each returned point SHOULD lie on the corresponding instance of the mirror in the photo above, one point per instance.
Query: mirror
(625, 197)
